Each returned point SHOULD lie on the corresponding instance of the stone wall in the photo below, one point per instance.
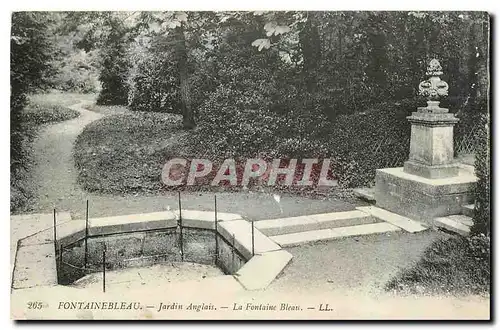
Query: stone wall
(143, 249)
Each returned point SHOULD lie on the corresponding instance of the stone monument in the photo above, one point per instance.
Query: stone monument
(431, 183)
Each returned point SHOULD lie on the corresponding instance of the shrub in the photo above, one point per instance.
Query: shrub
(457, 265)
(362, 142)
(482, 211)
(35, 114)
(357, 143)
(77, 74)
(154, 83)
(124, 153)
(114, 68)
(31, 51)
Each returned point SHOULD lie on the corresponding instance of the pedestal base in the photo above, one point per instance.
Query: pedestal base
(431, 172)
(421, 198)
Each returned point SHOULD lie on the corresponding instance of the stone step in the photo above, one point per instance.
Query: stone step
(468, 210)
(463, 219)
(407, 224)
(241, 232)
(365, 193)
(282, 226)
(333, 233)
(459, 224)
(262, 269)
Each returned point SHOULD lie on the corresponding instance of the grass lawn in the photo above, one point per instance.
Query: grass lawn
(125, 153)
(455, 265)
(107, 110)
(42, 109)
(64, 99)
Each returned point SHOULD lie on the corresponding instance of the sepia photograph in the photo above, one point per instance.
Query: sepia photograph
(250, 165)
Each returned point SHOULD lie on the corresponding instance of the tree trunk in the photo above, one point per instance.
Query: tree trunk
(187, 111)
(310, 44)
(378, 61)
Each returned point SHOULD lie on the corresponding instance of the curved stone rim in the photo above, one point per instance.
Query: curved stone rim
(257, 273)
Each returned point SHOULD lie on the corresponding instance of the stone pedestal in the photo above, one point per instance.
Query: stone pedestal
(431, 145)
(424, 199)
(431, 184)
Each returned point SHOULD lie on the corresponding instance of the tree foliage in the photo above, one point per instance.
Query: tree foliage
(482, 211)
(110, 33)
(114, 66)
(292, 74)
(31, 51)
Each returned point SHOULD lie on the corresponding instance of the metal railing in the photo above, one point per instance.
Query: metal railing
(86, 269)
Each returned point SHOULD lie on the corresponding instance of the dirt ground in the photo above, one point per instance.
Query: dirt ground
(127, 278)
(361, 264)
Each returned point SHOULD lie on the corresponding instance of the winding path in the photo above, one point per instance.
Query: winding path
(54, 174)
(55, 177)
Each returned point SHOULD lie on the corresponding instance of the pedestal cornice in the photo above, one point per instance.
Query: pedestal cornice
(432, 119)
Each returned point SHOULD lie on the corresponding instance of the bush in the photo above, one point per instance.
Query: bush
(35, 114)
(124, 153)
(77, 74)
(358, 144)
(482, 212)
(365, 141)
(154, 83)
(114, 68)
(31, 51)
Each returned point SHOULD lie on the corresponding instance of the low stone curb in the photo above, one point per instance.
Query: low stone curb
(405, 223)
(132, 222)
(282, 226)
(241, 231)
(262, 269)
(454, 225)
(295, 239)
(37, 254)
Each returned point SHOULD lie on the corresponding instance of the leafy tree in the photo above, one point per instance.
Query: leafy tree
(110, 33)
(378, 62)
(153, 78)
(114, 66)
(184, 32)
(31, 51)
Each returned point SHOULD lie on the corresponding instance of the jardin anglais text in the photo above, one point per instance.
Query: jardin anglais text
(287, 172)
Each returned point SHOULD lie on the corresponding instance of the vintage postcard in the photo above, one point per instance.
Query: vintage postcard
(250, 165)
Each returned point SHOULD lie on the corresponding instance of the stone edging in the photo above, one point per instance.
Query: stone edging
(259, 271)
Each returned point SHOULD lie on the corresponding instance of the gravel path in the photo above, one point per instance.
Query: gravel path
(56, 180)
(54, 175)
(361, 264)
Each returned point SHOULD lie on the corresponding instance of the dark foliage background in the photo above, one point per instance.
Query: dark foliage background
(333, 85)
(31, 51)
(114, 66)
